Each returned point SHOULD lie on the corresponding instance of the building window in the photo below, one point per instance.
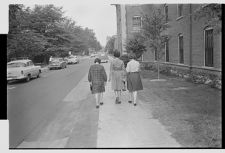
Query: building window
(209, 47)
(179, 10)
(166, 13)
(136, 23)
(167, 50)
(181, 48)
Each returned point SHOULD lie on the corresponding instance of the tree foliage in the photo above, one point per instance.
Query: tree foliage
(212, 13)
(136, 45)
(110, 45)
(44, 31)
(154, 31)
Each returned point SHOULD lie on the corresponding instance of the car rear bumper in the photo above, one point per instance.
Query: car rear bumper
(10, 78)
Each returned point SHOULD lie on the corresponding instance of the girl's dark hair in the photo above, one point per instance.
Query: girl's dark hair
(97, 60)
(116, 53)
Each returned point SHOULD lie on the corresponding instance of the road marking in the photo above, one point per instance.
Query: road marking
(11, 87)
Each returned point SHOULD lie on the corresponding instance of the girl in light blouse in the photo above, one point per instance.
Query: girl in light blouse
(134, 83)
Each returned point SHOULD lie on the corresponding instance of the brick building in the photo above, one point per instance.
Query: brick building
(192, 44)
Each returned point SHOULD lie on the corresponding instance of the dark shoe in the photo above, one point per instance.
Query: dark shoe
(119, 102)
(97, 106)
(129, 101)
(135, 104)
(101, 103)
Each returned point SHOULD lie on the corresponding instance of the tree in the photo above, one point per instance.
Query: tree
(43, 31)
(154, 31)
(31, 30)
(110, 45)
(136, 45)
(212, 13)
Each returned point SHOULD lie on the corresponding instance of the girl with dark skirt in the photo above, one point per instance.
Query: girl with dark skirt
(97, 78)
(134, 83)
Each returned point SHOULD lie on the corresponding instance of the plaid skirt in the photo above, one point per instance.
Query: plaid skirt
(97, 88)
(134, 81)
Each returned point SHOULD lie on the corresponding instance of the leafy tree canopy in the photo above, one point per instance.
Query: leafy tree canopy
(44, 30)
(136, 45)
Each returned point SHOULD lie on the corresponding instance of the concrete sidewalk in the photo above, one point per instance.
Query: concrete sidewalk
(129, 126)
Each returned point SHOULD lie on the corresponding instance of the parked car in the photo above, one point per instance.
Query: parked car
(22, 70)
(104, 58)
(72, 60)
(57, 63)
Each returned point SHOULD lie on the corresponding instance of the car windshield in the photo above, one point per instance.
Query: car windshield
(19, 64)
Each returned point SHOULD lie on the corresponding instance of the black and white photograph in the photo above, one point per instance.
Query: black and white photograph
(114, 74)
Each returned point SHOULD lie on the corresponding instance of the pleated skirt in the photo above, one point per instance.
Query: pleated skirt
(117, 81)
(134, 81)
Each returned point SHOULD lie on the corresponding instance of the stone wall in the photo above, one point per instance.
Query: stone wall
(194, 75)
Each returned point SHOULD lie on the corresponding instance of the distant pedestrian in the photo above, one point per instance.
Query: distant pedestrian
(97, 78)
(116, 76)
(134, 83)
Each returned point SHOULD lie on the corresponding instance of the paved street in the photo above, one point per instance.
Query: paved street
(29, 103)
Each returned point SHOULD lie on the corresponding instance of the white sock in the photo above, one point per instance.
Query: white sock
(135, 96)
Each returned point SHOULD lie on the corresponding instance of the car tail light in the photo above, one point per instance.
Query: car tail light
(21, 72)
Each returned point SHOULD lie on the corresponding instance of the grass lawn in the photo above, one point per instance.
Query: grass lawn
(191, 112)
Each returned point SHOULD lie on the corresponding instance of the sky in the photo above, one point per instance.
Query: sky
(99, 17)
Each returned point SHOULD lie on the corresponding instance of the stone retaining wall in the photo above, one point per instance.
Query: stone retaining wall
(194, 75)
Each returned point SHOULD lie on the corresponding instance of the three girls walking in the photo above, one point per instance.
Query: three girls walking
(117, 75)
